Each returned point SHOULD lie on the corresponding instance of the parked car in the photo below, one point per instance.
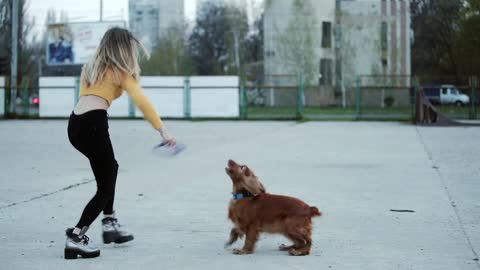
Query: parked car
(33, 101)
(445, 94)
(28, 108)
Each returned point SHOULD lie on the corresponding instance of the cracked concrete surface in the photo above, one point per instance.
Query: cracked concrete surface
(176, 207)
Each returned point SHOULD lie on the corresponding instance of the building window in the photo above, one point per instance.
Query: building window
(326, 71)
(384, 36)
(326, 35)
(384, 62)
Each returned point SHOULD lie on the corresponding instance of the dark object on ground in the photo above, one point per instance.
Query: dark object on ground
(402, 211)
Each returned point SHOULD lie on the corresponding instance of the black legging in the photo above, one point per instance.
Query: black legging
(88, 133)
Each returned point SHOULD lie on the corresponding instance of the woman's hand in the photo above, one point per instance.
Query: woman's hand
(168, 139)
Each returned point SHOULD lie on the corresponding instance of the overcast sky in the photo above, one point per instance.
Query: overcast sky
(88, 10)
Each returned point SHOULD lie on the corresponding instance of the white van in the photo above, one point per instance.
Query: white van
(446, 94)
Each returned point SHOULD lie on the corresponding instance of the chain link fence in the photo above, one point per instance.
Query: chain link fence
(373, 97)
(270, 97)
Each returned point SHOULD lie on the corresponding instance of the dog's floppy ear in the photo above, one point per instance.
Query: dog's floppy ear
(262, 188)
(254, 186)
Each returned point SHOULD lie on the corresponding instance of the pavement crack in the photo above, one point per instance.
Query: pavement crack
(450, 198)
(47, 194)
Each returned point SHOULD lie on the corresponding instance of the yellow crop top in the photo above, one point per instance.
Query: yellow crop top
(109, 89)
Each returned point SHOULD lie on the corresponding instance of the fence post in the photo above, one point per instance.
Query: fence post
(474, 98)
(471, 110)
(358, 100)
(131, 107)
(382, 102)
(7, 98)
(471, 83)
(76, 92)
(243, 100)
(3, 94)
(187, 104)
(300, 96)
(413, 99)
(26, 104)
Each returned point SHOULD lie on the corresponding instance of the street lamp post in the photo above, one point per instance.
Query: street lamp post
(101, 10)
(14, 64)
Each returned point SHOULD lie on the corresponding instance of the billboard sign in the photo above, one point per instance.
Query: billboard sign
(75, 43)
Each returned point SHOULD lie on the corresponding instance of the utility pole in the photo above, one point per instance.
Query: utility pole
(13, 67)
(339, 82)
(101, 10)
(237, 51)
(39, 65)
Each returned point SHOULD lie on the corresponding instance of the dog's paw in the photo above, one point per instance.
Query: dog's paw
(238, 251)
(294, 252)
(284, 247)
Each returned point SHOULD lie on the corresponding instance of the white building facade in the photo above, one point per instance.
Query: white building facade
(348, 38)
(376, 38)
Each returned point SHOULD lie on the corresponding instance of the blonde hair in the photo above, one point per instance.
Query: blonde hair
(118, 51)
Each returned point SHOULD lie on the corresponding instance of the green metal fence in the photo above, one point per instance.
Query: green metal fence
(385, 97)
(271, 97)
(276, 97)
(291, 97)
(369, 97)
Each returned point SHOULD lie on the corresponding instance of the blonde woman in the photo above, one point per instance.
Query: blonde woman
(113, 69)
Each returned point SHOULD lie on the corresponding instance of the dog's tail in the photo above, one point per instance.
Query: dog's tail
(314, 212)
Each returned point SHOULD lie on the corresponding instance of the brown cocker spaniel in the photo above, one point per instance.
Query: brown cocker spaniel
(253, 211)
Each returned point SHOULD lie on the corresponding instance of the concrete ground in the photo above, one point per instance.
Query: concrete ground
(354, 172)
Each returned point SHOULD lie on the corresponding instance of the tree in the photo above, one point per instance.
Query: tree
(435, 25)
(253, 47)
(446, 37)
(468, 43)
(215, 43)
(26, 67)
(170, 56)
(207, 42)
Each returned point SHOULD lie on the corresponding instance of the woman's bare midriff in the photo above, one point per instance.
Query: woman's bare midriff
(90, 103)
